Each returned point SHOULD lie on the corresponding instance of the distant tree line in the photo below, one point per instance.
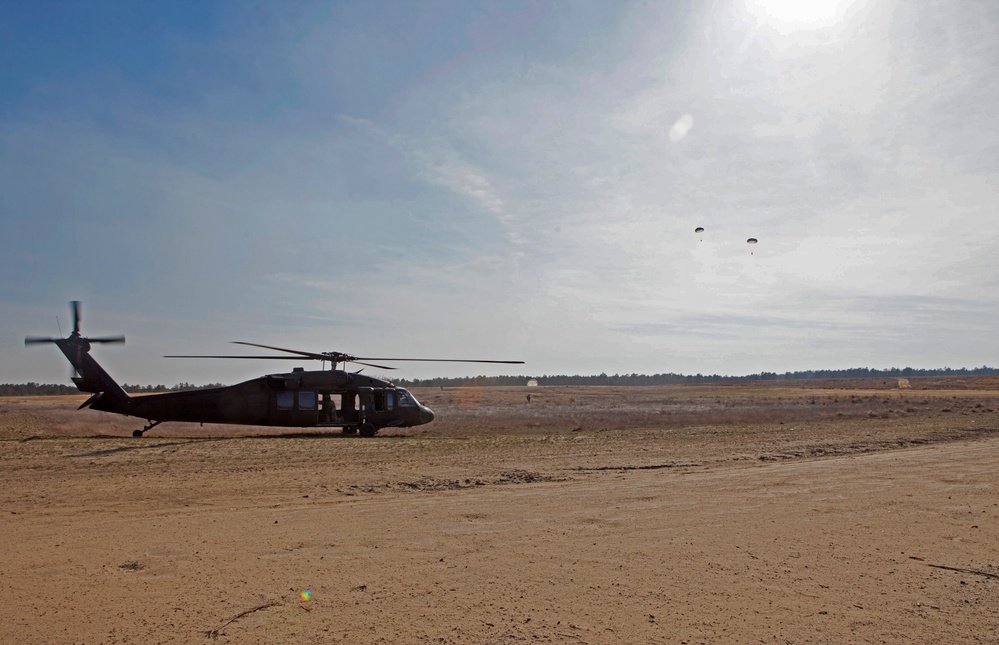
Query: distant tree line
(52, 389)
(690, 379)
(38, 389)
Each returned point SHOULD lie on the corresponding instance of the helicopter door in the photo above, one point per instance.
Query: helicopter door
(307, 408)
(384, 400)
(366, 403)
(348, 407)
(330, 406)
(296, 408)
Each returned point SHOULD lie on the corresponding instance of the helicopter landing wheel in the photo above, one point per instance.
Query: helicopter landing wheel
(368, 430)
(152, 424)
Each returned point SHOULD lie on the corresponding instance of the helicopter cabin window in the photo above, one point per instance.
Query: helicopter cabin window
(285, 400)
(306, 400)
(406, 399)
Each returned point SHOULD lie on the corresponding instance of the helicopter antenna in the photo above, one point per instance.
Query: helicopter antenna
(58, 325)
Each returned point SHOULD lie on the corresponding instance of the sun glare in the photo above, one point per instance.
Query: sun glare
(787, 16)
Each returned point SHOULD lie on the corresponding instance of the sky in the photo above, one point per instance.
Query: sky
(515, 180)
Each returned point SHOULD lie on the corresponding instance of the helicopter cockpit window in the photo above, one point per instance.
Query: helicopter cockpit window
(306, 400)
(285, 400)
(405, 399)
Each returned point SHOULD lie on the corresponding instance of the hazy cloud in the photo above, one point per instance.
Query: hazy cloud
(520, 182)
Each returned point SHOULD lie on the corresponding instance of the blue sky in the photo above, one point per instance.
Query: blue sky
(513, 180)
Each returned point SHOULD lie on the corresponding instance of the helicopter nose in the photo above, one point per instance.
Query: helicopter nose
(426, 415)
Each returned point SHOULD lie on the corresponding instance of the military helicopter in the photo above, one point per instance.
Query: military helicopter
(333, 398)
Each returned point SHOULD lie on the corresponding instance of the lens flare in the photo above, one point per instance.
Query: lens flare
(681, 128)
(306, 595)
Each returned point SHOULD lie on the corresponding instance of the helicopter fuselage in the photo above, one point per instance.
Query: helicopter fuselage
(298, 399)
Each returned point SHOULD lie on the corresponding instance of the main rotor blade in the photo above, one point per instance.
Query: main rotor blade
(283, 358)
(313, 355)
(438, 360)
(261, 358)
(355, 359)
(339, 357)
(381, 367)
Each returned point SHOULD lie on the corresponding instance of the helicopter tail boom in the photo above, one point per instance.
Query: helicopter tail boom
(91, 377)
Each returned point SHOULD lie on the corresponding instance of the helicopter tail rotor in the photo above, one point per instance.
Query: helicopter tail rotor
(87, 374)
(75, 334)
(75, 306)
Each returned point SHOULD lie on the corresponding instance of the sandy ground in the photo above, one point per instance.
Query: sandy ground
(589, 515)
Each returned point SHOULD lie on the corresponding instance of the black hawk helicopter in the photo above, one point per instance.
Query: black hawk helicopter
(299, 399)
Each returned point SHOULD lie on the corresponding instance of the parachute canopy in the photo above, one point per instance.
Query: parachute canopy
(751, 240)
(699, 229)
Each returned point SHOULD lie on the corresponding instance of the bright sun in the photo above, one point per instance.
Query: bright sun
(787, 16)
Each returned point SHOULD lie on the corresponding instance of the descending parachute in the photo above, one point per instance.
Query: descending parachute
(700, 230)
